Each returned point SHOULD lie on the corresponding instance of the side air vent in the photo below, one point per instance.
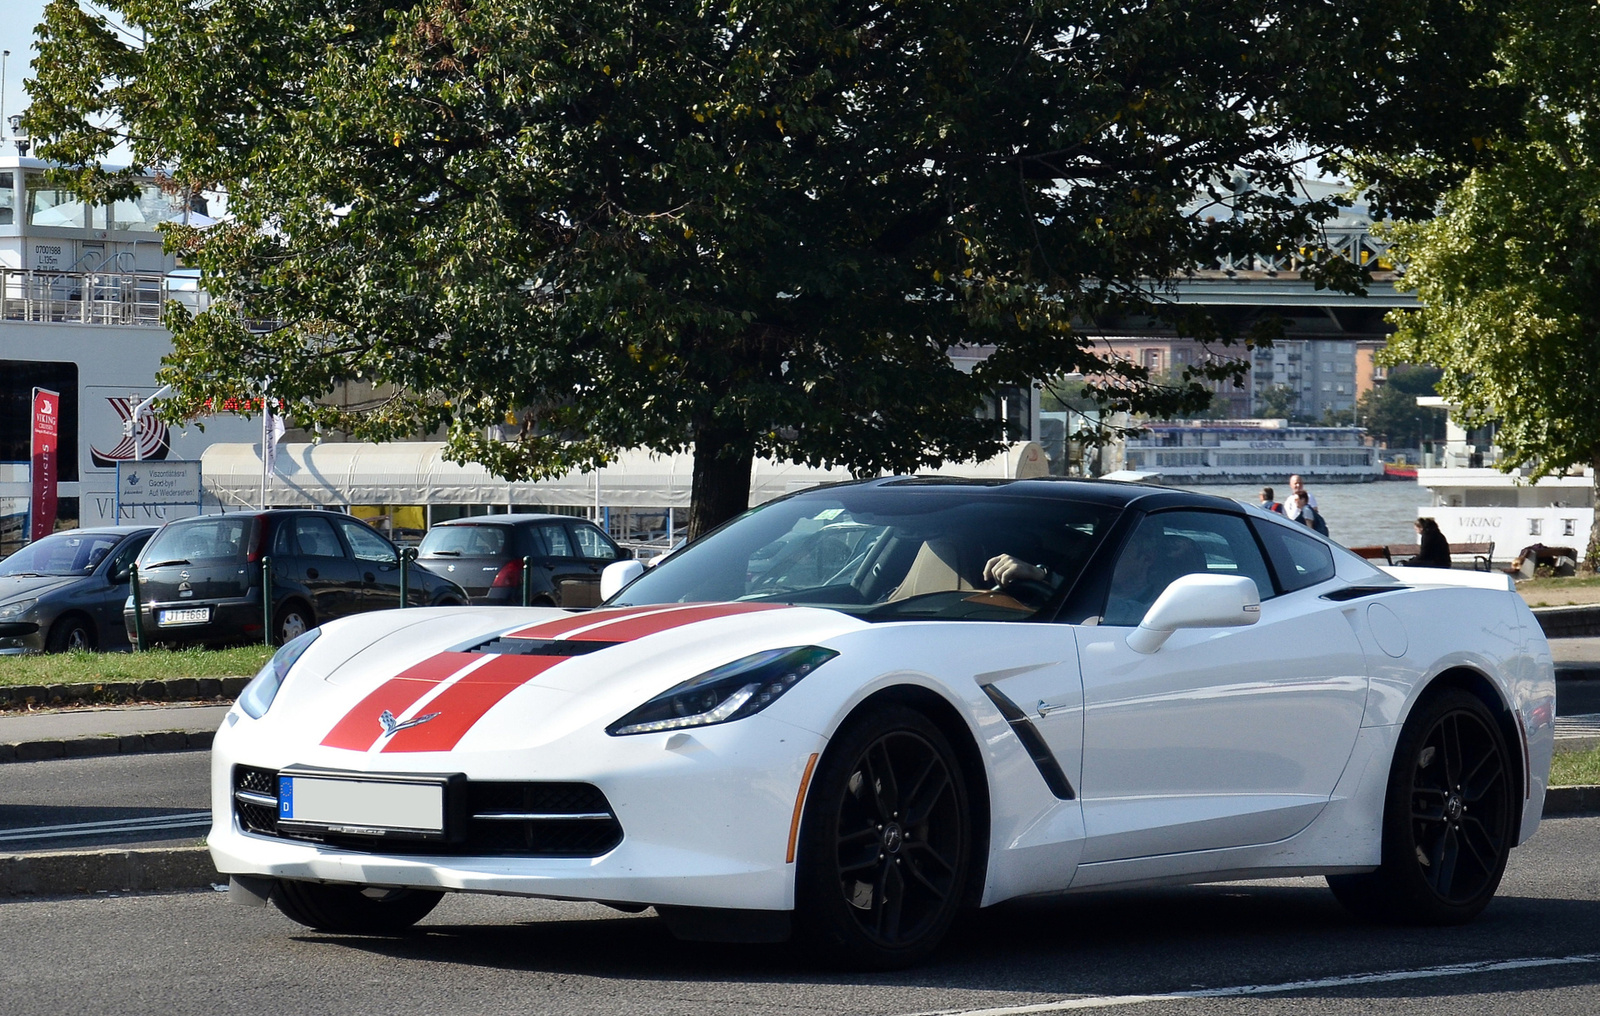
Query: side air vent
(1032, 742)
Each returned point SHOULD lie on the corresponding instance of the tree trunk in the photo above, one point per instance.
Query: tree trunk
(1591, 554)
(720, 487)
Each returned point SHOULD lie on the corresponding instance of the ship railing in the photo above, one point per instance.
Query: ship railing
(95, 298)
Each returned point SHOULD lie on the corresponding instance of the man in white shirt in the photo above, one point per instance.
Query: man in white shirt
(1291, 506)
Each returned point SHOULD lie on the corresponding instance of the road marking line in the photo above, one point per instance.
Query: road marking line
(179, 821)
(1342, 981)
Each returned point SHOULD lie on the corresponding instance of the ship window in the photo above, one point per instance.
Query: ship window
(57, 206)
(8, 199)
(1535, 527)
(150, 208)
(1569, 527)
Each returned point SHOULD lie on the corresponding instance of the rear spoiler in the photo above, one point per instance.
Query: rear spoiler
(1451, 577)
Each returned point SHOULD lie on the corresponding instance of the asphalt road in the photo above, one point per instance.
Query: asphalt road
(1536, 950)
(115, 799)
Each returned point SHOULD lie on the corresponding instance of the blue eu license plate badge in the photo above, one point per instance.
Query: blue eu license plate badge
(286, 797)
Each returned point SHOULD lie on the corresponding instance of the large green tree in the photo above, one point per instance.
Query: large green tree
(1390, 412)
(1508, 275)
(746, 226)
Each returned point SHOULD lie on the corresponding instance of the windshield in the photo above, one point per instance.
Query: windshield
(886, 553)
(61, 554)
(215, 537)
(464, 541)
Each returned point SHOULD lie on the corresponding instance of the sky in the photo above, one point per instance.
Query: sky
(17, 18)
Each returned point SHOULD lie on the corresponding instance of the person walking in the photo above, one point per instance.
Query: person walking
(1300, 510)
(1268, 502)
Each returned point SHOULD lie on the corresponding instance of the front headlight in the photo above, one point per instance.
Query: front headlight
(731, 692)
(12, 611)
(257, 696)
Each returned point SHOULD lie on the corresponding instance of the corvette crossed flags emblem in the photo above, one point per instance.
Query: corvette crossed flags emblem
(391, 726)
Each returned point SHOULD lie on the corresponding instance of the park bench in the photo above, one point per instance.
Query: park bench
(1482, 553)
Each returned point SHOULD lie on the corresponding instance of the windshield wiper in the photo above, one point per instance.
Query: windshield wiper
(163, 564)
(23, 575)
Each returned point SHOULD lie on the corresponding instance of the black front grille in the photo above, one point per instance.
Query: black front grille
(504, 819)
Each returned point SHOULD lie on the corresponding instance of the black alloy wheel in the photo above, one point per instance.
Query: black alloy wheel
(886, 842)
(73, 633)
(354, 909)
(1448, 820)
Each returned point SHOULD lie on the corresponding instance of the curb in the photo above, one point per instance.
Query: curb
(1562, 801)
(106, 744)
(1580, 621)
(89, 871)
(176, 689)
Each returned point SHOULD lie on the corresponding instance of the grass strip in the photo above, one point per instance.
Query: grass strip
(153, 665)
(1575, 768)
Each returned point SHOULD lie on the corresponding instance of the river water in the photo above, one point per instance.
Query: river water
(1358, 514)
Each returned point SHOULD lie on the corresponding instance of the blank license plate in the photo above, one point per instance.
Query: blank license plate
(361, 807)
(191, 615)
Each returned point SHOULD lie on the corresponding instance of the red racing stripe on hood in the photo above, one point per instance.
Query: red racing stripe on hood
(630, 628)
(360, 726)
(464, 703)
(563, 625)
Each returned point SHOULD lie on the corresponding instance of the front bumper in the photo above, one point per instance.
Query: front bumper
(20, 637)
(705, 813)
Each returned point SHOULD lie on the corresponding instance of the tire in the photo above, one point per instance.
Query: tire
(73, 633)
(1448, 819)
(354, 909)
(292, 620)
(889, 802)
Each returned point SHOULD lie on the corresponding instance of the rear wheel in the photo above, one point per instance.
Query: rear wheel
(292, 620)
(885, 843)
(1447, 824)
(73, 633)
(354, 909)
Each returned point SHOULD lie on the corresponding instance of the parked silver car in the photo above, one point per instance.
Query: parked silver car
(66, 591)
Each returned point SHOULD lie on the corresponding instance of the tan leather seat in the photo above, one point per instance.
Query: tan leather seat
(934, 570)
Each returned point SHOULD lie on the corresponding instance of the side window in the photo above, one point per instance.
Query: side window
(367, 545)
(1299, 560)
(283, 542)
(125, 554)
(1168, 546)
(556, 541)
(593, 544)
(316, 537)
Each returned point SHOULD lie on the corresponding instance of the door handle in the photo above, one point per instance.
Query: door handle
(311, 573)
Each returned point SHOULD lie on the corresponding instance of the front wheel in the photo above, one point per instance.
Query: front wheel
(72, 633)
(885, 842)
(1448, 819)
(354, 909)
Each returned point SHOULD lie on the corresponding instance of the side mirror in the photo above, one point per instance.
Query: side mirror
(1197, 601)
(120, 574)
(617, 575)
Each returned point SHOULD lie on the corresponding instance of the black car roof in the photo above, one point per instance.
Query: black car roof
(509, 520)
(1114, 493)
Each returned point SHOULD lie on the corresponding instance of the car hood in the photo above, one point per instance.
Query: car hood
(497, 679)
(20, 587)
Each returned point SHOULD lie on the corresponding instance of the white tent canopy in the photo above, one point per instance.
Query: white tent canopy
(416, 473)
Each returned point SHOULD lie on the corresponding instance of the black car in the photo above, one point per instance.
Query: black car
(200, 578)
(484, 554)
(66, 591)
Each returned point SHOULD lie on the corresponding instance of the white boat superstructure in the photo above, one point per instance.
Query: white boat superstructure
(1475, 502)
(1251, 451)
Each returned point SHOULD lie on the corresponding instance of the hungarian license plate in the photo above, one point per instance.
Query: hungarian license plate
(357, 807)
(189, 615)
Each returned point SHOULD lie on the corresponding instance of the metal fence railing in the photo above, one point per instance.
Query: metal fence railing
(95, 298)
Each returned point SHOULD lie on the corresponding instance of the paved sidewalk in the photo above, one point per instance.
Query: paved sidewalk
(58, 724)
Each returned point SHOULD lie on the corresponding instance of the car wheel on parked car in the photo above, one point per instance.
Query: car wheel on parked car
(354, 909)
(1448, 820)
(292, 621)
(73, 633)
(886, 842)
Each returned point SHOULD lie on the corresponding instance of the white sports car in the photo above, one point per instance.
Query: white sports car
(854, 712)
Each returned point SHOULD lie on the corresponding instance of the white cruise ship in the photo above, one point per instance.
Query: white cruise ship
(1251, 451)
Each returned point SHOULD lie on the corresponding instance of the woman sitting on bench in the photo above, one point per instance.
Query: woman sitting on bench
(1433, 550)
